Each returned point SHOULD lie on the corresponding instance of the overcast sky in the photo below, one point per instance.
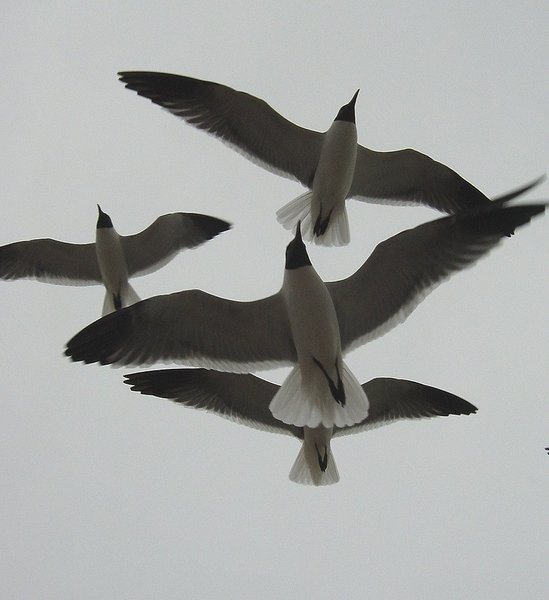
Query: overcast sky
(110, 494)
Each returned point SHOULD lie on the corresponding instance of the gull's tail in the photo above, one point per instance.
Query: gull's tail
(335, 229)
(310, 404)
(114, 302)
(315, 463)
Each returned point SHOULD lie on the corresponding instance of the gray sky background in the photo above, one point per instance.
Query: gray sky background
(110, 494)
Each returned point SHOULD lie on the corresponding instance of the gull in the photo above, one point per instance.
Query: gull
(245, 399)
(112, 259)
(330, 164)
(296, 326)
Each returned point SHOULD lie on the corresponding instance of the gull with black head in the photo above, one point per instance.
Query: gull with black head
(330, 164)
(112, 259)
(308, 324)
(245, 399)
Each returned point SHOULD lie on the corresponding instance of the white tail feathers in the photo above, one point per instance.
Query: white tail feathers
(306, 468)
(299, 209)
(286, 405)
(337, 233)
(128, 296)
(310, 404)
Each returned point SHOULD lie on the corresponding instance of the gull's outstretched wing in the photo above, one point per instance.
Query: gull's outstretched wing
(265, 137)
(241, 398)
(405, 268)
(190, 327)
(156, 245)
(396, 399)
(408, 177)
(50, 261)
(244, 122)
(246, 398)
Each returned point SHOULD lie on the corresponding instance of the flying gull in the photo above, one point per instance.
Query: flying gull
(308, 325)
(245, 399)
(112, 259)
(331, 164)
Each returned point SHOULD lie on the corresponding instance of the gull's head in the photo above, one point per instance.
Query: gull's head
(347, 111)
(296, 253)
(103, 220)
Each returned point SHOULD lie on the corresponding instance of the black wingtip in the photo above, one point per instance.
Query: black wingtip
(446, 404)
(500, 220)
(163, 89)
(165, 383)
(99, 342)
(511, 195)
(126, 76)
(210, 226)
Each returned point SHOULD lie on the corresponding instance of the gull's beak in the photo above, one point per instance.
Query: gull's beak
(353, 99)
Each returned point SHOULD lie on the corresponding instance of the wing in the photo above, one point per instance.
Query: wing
(511, 195)
(241, 398)
(246, 398)
(50, 261)
(155, 246)
(395, 399)
(244, 122)
(193, 328)
(410, 177)
(405, 268)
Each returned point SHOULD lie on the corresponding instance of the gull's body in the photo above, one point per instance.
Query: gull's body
(322, 211)
(246, 399)
(196, 328)
(112, 259)
(331, 164)
(328, 393)
(112, 266)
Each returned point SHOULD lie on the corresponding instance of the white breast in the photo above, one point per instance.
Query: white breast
(336, 166)
(312, 315)
(110, 256)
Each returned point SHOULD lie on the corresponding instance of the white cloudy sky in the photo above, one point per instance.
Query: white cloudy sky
(109, 494)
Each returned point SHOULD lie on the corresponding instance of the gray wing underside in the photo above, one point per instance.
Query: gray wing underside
(398, 399)
(192, 328)
(159, 243)
(408, 177)
(405, 268)
(245, 398)
(50, 261)
(241, 398)
(244, 122)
